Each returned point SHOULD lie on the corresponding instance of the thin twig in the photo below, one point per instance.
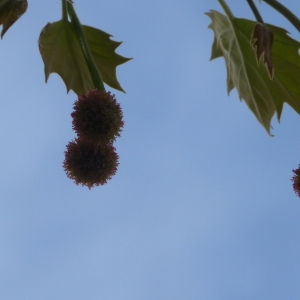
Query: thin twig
(285, 12)
(255, 12)
(226, 9)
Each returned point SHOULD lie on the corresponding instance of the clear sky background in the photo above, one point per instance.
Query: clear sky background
(202, 206)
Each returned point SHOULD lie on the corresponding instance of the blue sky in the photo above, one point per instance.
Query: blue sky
(202, 206)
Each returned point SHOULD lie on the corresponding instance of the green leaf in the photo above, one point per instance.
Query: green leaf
(62, 54)
(264, 96)
(103, 51)
(10, 12)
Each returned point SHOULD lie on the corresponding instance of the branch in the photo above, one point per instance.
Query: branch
(255, 12)
(226, 9)
(285, 12)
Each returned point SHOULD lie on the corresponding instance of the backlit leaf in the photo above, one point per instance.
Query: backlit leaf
(263, 96)
(62, 54)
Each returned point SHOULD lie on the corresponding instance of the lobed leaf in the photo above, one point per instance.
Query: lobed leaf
(62, 54)
(263, 96)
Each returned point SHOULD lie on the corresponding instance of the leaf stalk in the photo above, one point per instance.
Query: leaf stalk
(94, 72)
(64, 11)
(227, 10)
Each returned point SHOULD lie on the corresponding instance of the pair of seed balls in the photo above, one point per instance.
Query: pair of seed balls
(91, 159)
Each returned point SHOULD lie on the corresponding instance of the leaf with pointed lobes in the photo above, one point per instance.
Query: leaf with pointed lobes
(62, 54)
(262, 40)
(263, 96)
(10, 12)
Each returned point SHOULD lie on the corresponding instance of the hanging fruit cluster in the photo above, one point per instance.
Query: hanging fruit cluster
(91, 159)
(85, 58)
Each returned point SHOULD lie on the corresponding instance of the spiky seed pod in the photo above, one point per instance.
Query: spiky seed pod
(97, 116)
(90, 164)
(296, 181)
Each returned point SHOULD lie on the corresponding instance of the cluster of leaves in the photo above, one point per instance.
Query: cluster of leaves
(262, 62)
(265, 90)
(85, 59)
